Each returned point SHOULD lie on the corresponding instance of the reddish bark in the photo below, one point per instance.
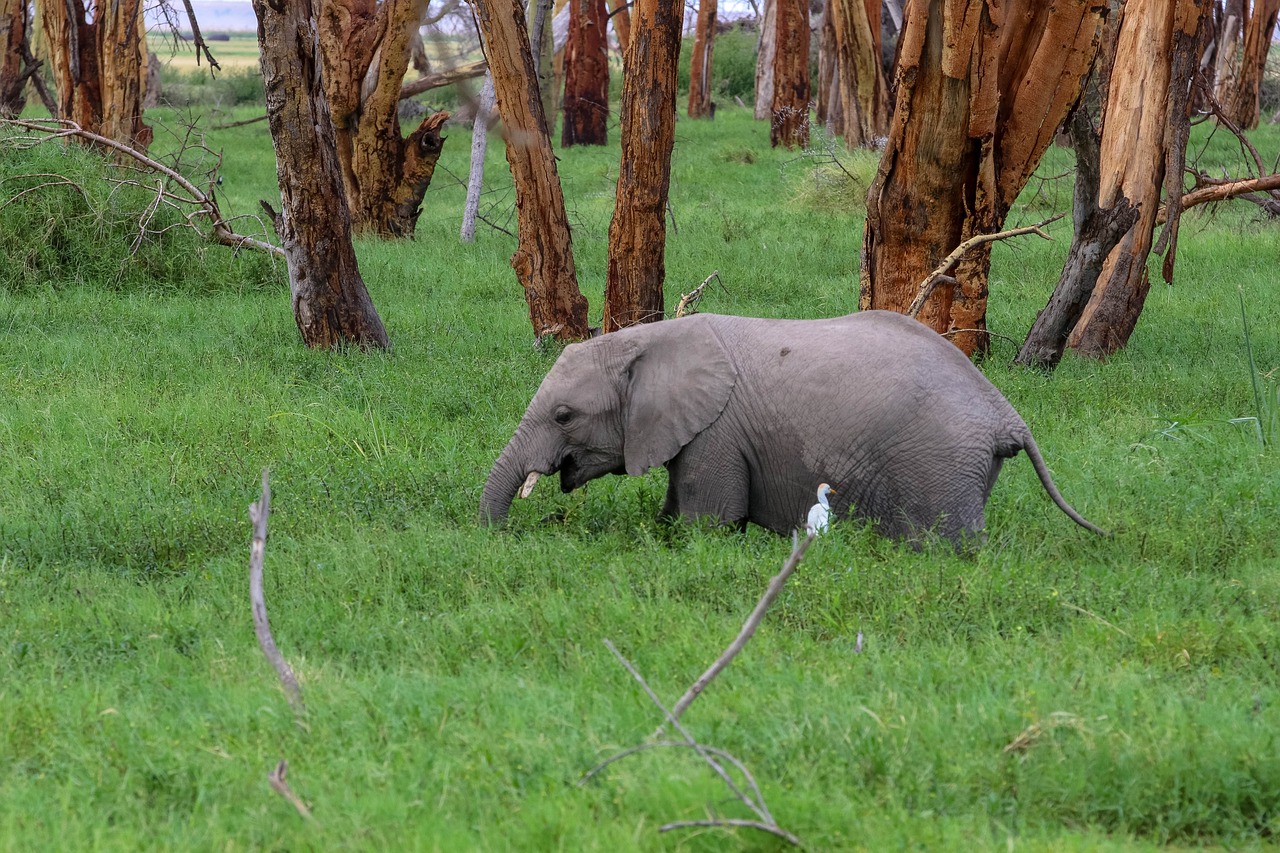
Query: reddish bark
(543, 260)
(704, 35)
(637, 234)
(789, 114)
(586, 76)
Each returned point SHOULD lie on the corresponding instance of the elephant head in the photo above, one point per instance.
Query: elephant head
(621, 403)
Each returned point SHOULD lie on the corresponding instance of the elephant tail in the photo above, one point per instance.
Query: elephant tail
(1042, 471)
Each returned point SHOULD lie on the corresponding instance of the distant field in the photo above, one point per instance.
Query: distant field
(240, 52)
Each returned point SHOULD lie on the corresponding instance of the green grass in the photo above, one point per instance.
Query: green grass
(456, 678)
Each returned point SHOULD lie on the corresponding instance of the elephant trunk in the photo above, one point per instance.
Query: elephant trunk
(507, 477)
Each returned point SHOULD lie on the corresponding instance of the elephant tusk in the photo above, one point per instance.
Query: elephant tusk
(526, 488)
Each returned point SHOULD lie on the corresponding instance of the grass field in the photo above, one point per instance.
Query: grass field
(1055, 691)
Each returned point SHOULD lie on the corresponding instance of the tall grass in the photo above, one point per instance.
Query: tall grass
(1054, 691)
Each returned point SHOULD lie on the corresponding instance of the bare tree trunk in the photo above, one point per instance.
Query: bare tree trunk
(704, 35)
(1226, 75)
(1242, 105)
(99, 66)
(542, 45)
(330, 302)
(789, 115)
(13, 73)
(828, 94)
(765, 54)
(366, 48)
(1143, 147)
(479, 145)
(543, 260)
(863, 90)
(620, 17)
(637, 234)
(979, 98)
(586, 76)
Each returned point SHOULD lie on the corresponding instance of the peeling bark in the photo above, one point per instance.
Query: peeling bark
(1143, 146)
(863, 90)
(981, 89)
(13, 40)
(586, 76)
(1242, 104)
(330, 302)
(789, 114)
(543, 260)
(637, 234)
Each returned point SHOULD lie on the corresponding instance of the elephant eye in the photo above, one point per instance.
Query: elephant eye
(563, 416)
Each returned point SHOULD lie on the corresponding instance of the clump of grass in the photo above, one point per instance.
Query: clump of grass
(1266, 396)
(70, 219)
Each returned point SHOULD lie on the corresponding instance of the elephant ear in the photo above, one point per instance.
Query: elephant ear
(679, 382)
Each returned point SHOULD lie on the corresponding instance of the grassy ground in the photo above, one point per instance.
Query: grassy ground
(1055, 691)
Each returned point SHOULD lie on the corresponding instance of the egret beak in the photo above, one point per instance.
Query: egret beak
(526, 488)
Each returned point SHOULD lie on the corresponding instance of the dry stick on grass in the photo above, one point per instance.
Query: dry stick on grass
(206, 205)
(939, 275)
(689, 301)
(281, 787)
(766, 823)
(258, 513)
(799, 546)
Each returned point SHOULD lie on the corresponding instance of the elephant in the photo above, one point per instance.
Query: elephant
(749, 415)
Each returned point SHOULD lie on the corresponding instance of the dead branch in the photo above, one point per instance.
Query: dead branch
(205, 203)
(281, 787)
(739, 822)
(799, 546)
(665, 744)
(198, 40)
(427, 82)
(756, 804)
(1211, 190)
(258, 513)
(689, 301)
(939, 275)
(247, 121)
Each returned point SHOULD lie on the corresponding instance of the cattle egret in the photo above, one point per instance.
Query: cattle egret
(820, 513)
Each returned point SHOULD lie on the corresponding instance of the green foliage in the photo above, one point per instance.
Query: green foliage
(74, 221)
(197, 88)
(733, 65)
(1054, 691)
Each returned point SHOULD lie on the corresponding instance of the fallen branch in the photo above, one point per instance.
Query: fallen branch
(799, 546)
(278, 784)
(258, 513)
(205, 203)
(766, 823)
(939, 275)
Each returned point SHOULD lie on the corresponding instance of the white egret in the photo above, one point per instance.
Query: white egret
(820, 513)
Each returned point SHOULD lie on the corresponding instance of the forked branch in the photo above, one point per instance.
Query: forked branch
(939, 275)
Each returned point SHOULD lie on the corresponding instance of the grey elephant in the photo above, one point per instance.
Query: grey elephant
(749, 415)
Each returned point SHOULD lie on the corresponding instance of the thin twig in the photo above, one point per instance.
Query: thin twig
(258, 513)
(1093, 615)
(940, 274)
(281, 787)
(684, 744)
(728, 821)
(798, 548)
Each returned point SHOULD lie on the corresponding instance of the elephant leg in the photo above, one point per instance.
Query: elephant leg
(699, 489)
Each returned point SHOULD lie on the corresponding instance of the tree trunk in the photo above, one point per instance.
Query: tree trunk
(330, 303)
(704, 36)
(1226, 74)
(765, 54)
(13, 73)
(99, 67)
(637, 234)
(981, 91)
(620, 17)
(543, 260)
(586, 76)
(479, 145)
(1144, 134)
(542, 45)
(863, 90)
(1242, 106)
(827, 102)
(366, 48)
(789, 114)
